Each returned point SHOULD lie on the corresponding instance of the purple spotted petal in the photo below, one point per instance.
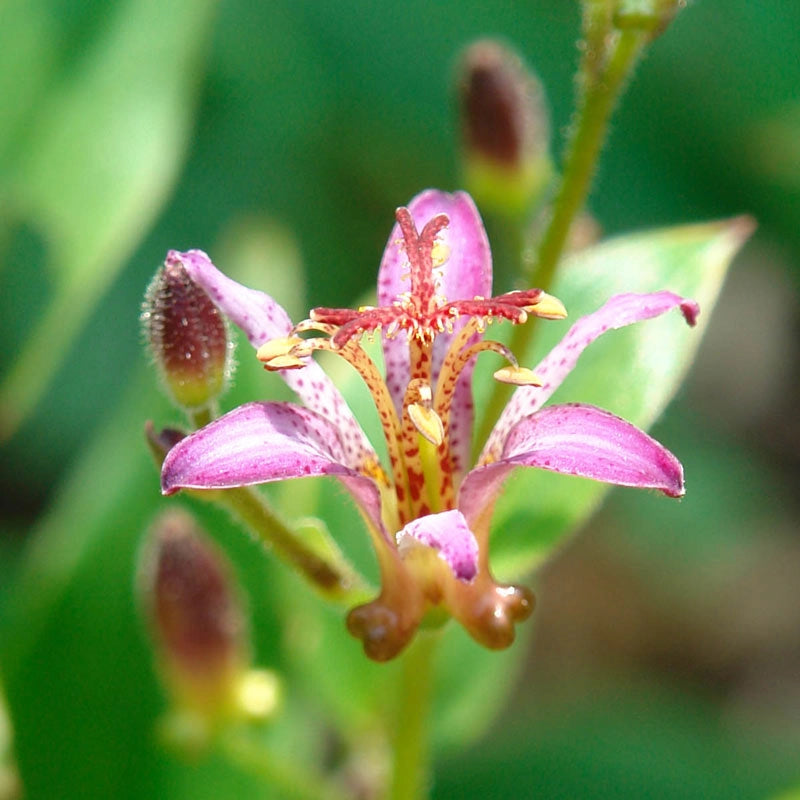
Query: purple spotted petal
(262, 319)
(449, 534)
(260, 443)
(582, 440)
(466, 273)
(619, 311)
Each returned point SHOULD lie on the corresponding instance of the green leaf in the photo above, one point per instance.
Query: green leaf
(94, 168)
(633, 372)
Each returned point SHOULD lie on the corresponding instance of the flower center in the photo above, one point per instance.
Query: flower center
(422, 465)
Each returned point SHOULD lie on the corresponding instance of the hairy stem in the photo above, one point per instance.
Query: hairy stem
(589, 134)
(600, 91)
(336, 581)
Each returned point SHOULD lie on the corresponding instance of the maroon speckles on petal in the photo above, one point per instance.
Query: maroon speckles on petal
(448, 534)
(618, 312)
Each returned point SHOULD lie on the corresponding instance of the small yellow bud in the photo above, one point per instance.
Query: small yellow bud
(259, 693)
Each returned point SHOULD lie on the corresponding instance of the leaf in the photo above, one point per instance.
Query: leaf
(95, 166)
(632, 372)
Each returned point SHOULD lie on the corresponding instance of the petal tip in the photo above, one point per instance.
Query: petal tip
(677, 491)
(690, 310)
(168, 484)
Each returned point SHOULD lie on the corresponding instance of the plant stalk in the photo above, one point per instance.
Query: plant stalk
(599, 96)
(410, 773)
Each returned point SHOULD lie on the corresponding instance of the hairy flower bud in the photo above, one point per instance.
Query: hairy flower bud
(187, 335)
(505, 128)
(195, 616)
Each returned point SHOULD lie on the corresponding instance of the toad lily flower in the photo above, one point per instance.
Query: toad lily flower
(428, 515)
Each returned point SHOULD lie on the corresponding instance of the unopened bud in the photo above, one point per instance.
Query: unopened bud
(195, 615)
(161, 442)
(505, 128)
(187, 335)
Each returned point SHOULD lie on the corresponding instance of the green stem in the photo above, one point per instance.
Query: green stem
(411, 745)
(507, 235)
(202, 416)
(599, 100)
(600, 93)
(291, 781)
(336, 581)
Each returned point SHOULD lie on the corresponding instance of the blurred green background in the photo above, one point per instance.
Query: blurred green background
(665, 656)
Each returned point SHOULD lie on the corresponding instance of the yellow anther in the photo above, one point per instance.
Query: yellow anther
(548, 307)
(284, 362)
(427, 422)
(518, 376)
(440, 252)
(277, 347)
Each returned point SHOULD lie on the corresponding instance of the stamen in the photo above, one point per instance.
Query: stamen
(417, 394)
(284, 362)
(277, 347)
(292, 350)
(548, 307)
(425, 419)
(518, 376)
(427, 422)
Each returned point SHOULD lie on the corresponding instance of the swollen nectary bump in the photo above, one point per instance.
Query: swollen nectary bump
(380, 630)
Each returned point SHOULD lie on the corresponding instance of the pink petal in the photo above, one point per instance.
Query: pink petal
(449, 534)
(619, 311)
(262, 319)
(261, 443)
(466, 274)
(256, 313)
(579, 440)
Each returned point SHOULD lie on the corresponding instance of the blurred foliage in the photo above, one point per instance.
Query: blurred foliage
(280, 136)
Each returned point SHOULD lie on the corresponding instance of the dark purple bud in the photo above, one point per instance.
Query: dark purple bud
(505, 126)
(187, 335)
(194, 612)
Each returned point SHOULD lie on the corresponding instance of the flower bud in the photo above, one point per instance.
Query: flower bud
(505, 128)
(161, 442)
(187, 335)
(195, 616)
